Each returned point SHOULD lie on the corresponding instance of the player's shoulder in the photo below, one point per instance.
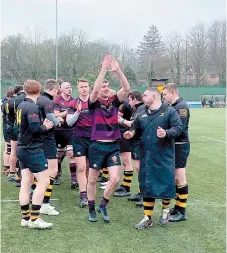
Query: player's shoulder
(181, 104)
(73, 102)
(57, 100)
(43, 100)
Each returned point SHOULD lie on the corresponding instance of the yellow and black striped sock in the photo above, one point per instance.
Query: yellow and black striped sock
(177, 196)
(48, 192)
(181, 203)
(35, 211)
(33, 186)
(148, 206)
(25, 212)
(165, 203)
(105, 173)
(127, 182)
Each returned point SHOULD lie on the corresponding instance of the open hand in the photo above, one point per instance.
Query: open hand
(106, 62)
(114, 65)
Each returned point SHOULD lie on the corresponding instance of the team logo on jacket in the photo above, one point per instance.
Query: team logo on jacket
(114, 159)
(183, 112)
(144, 116)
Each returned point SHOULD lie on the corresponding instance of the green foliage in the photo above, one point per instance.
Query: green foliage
(130, 75)
(5, 84)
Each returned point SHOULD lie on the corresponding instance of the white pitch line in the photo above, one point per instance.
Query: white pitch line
(16, 200)
(212, 139)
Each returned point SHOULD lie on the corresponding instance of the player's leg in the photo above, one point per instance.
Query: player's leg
(113, 162)
(181, 156)
(12, 161)
(49, 147)
(7, 157)
(125, 154)
(91, 193)
(7, 151)
(37, 166)
(136, 158)
(61, 153)
(148, 206)
(96, 163)
(24, 196)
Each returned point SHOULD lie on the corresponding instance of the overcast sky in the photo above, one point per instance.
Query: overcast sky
(113, 20)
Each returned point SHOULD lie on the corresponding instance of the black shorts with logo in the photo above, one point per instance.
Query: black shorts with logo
(80, 146)
(104, 155)
(63, 138)
(181, 155)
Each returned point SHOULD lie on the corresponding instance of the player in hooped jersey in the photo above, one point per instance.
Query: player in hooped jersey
(104, 150)
(64, 132)
(79, 118)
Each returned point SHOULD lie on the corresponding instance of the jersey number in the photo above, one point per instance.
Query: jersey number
(19, 113)
(7, 108)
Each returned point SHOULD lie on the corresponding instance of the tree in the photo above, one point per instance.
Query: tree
(130, 75)
(198, 51)
(148, 50)
(217, 49)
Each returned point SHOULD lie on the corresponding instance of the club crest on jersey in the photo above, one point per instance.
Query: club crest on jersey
(114, 159)
(109, 108)
(121, 107)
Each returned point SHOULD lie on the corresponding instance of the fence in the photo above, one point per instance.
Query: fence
(188, 93)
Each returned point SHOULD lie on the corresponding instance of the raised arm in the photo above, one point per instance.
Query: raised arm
(100, 79)
(125, 87)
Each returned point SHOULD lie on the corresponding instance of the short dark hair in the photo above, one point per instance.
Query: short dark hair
(134, 94)
(171, 87)
(18, 88)
(82, 80)
(51, 84)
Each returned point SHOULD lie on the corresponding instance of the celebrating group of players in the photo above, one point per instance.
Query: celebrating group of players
(99, 131)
